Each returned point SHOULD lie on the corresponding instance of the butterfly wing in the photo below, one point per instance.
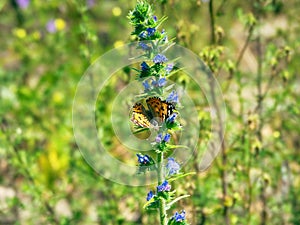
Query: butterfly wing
(159, 109)
(139, 117)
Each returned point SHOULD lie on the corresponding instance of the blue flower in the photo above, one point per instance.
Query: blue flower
(172, 118)
(150, 195)
(173, 97)
(155, 18)
(165, 39)
(151, 31)
(167, 137)
(179, 217)
(146, 85)
(160, 83)
(143, 159)
(165, 186)
(160, 58)
(144, 46)
(143, 35)
(172, 166)
(169, 68)
(144, 66)
(158, 138)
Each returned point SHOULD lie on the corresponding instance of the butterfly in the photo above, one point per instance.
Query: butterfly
(157, 112)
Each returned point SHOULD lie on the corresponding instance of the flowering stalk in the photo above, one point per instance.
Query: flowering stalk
(160, 113)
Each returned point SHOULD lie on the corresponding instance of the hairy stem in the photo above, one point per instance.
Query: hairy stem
(160, 179)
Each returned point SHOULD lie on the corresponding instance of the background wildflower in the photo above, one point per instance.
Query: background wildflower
(23, 4)
(19, 32)
(60, 24)
(90, 3)
(50, 26)
(118, 44)
(116, 11)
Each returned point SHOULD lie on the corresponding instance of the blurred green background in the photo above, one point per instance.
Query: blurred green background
(253, 49)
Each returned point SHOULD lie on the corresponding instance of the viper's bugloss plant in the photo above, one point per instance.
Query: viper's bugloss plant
(161, 114)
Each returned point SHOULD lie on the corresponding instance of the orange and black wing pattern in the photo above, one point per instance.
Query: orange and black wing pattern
(139, 117)
(158, 111)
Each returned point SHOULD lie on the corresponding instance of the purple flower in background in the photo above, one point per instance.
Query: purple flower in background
(23, 4)
(179, 217)
(155, 18)
(160, 58)
(90, 3)
(165, 186)
(169, 68)
(150, 195)
(50, 26)
(167, 137)
(172, 166)
(173, 97)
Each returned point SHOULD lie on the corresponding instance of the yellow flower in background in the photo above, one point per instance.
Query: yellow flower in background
(118, 44)
(36, 35)
(60, 24)
(276, 134)
(58, 97)
(54, 161)
(116, 11)
(19, 32)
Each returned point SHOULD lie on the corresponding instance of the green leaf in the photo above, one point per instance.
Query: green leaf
(168, 206)
(180, 175)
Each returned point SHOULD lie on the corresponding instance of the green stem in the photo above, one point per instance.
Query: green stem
(160, 179)
(212, 22)
(223, 172)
